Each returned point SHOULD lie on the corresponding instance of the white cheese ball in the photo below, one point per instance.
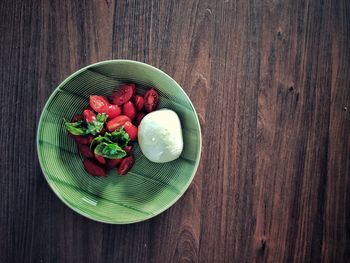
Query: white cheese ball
(160, 136)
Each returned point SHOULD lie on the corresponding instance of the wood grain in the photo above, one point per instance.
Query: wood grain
(270, 81)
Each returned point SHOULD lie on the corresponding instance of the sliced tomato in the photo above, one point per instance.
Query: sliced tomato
(83, 139)
(77, 117)
(94, 168)
(128, 149)
(85, 151)
(113, 111)
(98, 103)
(131, 130)
(139, 118)
(123, 94)
(129, 110)
(101, 104)
(125, 165)
(112, 163)
(151, 100)
(117, 122)
(89, 115)
(139, 102)
(100, 159)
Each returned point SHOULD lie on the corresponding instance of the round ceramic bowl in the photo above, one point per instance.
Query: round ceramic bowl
(149, 188)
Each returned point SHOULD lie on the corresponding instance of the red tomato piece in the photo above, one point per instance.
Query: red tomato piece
(125, 165)
(139, 102)
(139, 118)
(77, 117)
(123, 94)
(89, 115)
(111, 163)
(151, 100)
(117, 122)
(99, 103)
(94, 168)
(85, 151)
(129, 110)
(100, 159)
(128, 149)
(83, 139)
(113, 111)
(131, 130)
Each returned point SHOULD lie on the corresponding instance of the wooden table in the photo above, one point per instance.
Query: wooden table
(271, 83)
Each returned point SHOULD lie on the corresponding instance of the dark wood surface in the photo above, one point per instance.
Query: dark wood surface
(271, 83)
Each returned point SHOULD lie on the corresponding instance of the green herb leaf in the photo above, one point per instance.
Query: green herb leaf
(75, 128)
(109, 150)
(94, 128)
(121, 137)
(75, 124)
(97, 125)
(101, 117)
(100, 139)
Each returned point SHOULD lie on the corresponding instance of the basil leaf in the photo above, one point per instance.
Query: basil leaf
(75, 124)
(109, 150)
(101, 117)
(79, 127)
(100, 139)
(121, 137)
(97, 125)
(75, 128)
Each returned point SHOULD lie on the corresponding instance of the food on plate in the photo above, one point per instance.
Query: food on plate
(94, 168)
(117, 122)
(139, 118)
(100, 104)
(139, 102)
(129, 110)
(125, 165)
(105, 131)
(131, 130)
(123, 94)
(160, 135)
(151, 100)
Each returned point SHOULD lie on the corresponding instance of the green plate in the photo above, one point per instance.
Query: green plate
(149, 188)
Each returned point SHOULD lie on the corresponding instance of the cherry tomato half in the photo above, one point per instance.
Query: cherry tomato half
(111, 163)
(85, 150)
(98, 103)
(94, 168)
(113, 111)
(131, 130)
(125, 165)
(117, 122)
(123, 94)
(89, 115)
(128, 149)
(129, 110)
(139, 118)
(100, 159)
(83, 139)
(151, 100)
(139, 102)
